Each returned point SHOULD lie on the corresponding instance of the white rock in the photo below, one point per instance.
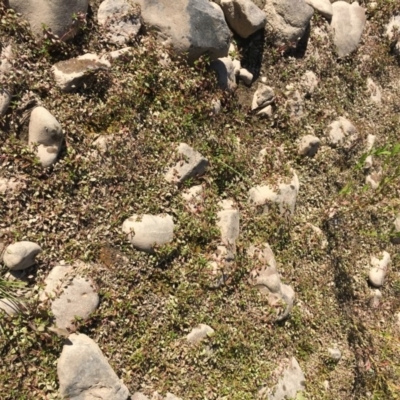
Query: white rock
(379, 268)
(199, 333)
(226, 72)
(120, 20)
(324, 7)
(309, 82)
(228, 224)
(342, 132)
(243, 16)
(375, 91)
(72, 74)
(21, 255)
(335, 353)
(45, 136)
(263, 96)
(191, 164)
(84, 372)
(309, 145)
(246, 76)
(237, 66)
(266, 112)
(147, 231)
(347, 23)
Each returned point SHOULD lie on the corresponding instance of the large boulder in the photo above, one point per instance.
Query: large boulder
(55, 14)
(348, 23)
(288, 20)
(84, 372)
(194, 27)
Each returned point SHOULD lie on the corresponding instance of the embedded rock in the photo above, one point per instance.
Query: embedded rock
(291, 382)
(342, 132)
(285, 197)
(243, 16)
(45, 136)
(309, 145)
(147, 231)
(324, 7)
(21, 255)
(288, 20)
(78, 299)
(348, 23)
(84, 372)
(56, 15)
(226, 73)
(228, 223)
(72, 74)
(379, 268)
(191, 164)
(54, 281)
(199, 333)
(121, 20)
(191, 27)
(263, 96)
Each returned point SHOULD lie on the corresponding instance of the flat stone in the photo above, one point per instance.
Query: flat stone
(228, 223)
(121, 20)
(199, 333)
(309, 145)
(263, 96)
(72, 74)
(348, 23)
(21, 255)
(84, 372)
(288, 20)
(191, 164)
(378, 271)
(45, 136)
(243, 16)
(147, 231)
(266, 112)
(226, 73)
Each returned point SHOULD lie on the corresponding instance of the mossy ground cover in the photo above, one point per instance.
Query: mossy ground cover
(149, 303)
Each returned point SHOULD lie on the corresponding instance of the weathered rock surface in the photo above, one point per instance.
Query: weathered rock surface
(228, 223)
(342, 132)
(54, 281)
(121, 20)
(55, 14)
(243, 16)
(378, 271)
(199, 333)
(45, 136)
(21, 255)
(72, 74)
(288, 20)
(226, 73)
(309, 145)
(285, 196)
(84, 372)
(348, 23)
(375, 91)
(192, 27)
(191, 164)
(291, 382)
(263, 96)
(147, 231)
(295, 104)
(324, 7)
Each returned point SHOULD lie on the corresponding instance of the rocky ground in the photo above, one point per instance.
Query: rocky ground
(214, 236)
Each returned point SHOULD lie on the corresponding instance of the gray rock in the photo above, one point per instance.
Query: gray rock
(199, 333)
(285, 197)
(55, 14)
(191, 164)
(54, 281)
(226, 73)
(391, 27)
(309, 82)
(263, 96)
(78, 299)
(21, 255)
(324, 7)
(348, 23)
(335, 353)
(243, 16)
(309, 145)
(72, 74)
(342, 132)
(246, 76)
(147, 231)
(228, 223)
(84, 372)
(378, 270)
(291, 382)
(45, 136)
(121, 20)
(288, 20)
(295, 104)
(191, 27)
(266, 112)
